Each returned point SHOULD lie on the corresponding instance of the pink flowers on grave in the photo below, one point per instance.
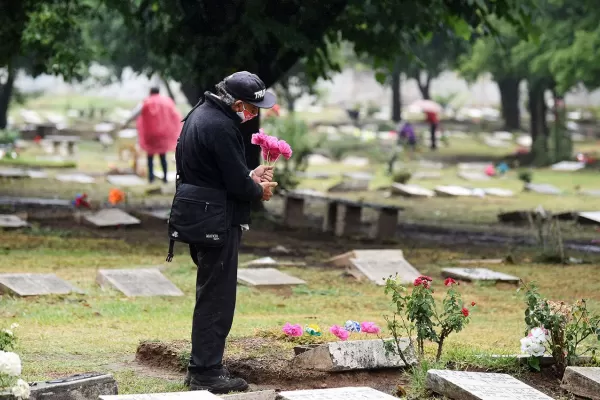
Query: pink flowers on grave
(339, 332)
(293, 330)
(272, 148)
(369, 327)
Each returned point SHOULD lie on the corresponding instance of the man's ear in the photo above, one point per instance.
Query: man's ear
(238, 106)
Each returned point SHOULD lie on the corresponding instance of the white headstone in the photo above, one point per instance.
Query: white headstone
(78, 178)
(354, 355)
(11, 221)
(543, 188)
(594, 193)
(473, 176)
(591, 216)
(261, 261)
(125, 180)
(317, 159)
(13, 173)
(347, 393)
(503, 135)
(498, 192)
(104, 127)
(411, 190)
(266, 277)
(343, 260)
(453, 191)
(356, 161)
(582, 381)
(494, 142)
(35, 284)
(426, 175)
(259, 395)
(111, 217)
(473, 166)
(127, 133)
(377, 271)
(37, 174)
(460, 385)
(478, 274)
(430, 164)
(140, 282)
(162, 214)
(196, 395)
(524, 141)
(568, 166)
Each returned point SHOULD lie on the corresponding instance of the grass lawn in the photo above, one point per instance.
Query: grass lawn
(100, 330)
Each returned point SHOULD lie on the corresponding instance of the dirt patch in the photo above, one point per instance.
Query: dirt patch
(265, 363)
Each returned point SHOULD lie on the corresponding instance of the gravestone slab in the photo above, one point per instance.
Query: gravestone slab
(453, 191)
(266, 261)
(589, 217)
(411, 190)
(524, 141)
(196, 395)
(543, 188)
(313, 175)
(473, 176)
(111, 217)
(497, 192)
(594, 193)
(318, 159)
(125, 180)
(460, 385)
(13, 173)
(78, 178)
(426, 175)
(33, 201)
(37, 174)
(478, 274)
(139, 282)
(356, 161)
(503, 135)
(482, 261)
(350, 186)
(568, 166)
(431, 164)
(35, 284)
(162, 214)
(495, 142)
(11, 222)
(75, 387)
(377, 271)
(354, 355)
(343, 260)
(473, 166)
(582, 381)
(347, 393)
(358, 176)
(260, 395)
(266, 277)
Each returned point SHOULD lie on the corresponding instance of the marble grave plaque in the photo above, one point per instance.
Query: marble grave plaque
(411, 190)
(478, 274)
(125, 180)
(11, 222)
(196, 395)
(345, 393)
(77, 178)
(13, 173)
(543, 188)
(460, 385)
(453, 191)
(582, 381)
(378, 270)
(35, 284)
(568, 166)
(111, 217)
(473, 176)
(139, 282)
(266, 277)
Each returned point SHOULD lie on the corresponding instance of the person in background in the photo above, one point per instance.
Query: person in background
(433, 120)
(405, 137)
(158, 124)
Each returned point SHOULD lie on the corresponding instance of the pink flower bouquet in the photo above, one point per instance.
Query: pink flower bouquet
(292, 330)
(339, 332)
(272, 148)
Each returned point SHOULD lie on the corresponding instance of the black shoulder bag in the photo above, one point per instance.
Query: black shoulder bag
(199, 215)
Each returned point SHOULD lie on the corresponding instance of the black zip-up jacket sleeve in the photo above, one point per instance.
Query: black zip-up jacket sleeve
(232, 164)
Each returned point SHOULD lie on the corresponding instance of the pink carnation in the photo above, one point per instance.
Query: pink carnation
(271, 147)
(339, 332)
(259, 138)
(369, 327)
(292, 330)
(285, 149)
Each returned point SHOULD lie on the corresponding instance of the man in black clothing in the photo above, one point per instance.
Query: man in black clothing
(212, 155)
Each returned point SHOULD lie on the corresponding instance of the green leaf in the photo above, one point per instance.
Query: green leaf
(534, 363)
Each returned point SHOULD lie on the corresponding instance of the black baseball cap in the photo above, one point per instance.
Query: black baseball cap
(249, 88)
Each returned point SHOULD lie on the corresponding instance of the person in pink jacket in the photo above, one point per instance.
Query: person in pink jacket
(158, 125)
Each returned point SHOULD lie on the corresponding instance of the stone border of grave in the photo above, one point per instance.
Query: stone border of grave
(582, 382)
(467, 274)
(343, 217)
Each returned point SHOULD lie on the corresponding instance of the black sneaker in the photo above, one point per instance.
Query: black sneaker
(188, 376)
(221, 384)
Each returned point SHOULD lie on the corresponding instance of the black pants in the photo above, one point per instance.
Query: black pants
(433, 137)
(216, 285)
(163, 163)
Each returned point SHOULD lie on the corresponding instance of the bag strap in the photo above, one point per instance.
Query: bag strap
(179, 166)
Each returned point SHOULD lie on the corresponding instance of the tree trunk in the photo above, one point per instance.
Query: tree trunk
(5, 94)
(538, 125)
(509, 97)
(191, 92)
(424, 86)
(169, 91)
(396, 93)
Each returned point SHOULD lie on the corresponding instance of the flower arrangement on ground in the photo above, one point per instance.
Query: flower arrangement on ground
(10, 366)
(341, 332)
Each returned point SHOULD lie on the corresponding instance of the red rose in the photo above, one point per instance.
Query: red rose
(465, 312)
(449, 282)
(473, 304)
(423, 280)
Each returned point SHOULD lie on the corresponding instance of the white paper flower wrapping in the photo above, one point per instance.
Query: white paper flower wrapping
(21, 390)
(10, 363)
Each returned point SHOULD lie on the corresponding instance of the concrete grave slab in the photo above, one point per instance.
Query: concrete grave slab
(453, 191)
(460, 385)
(162, 214)
(358, 176)
(589, 217)
(75, 387)
(260, 395)
(582, 381)
(11, 222)
(139, 282)
(356, 161)
(33, 201)
(13, 173)
(503, 135)
(37, 174)
(111, 217)
(430, 164)
(343, 260)
(266, 277)
(354, 355)
(495, 142)
(478, 274)
(411, 190)
(347, 393)
(483, 261)
(377, 271)
(23, 284)
(266, 261)
(473, 176)
(78, 178)
(196, 395)
(568, 166)
(426, 175)
(543, 188)
(473, 166)
(125, 180)
(497, 192)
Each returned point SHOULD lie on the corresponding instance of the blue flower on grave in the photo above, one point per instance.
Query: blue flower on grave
(352, 326)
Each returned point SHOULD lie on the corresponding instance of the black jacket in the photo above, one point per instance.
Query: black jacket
(212, 155)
